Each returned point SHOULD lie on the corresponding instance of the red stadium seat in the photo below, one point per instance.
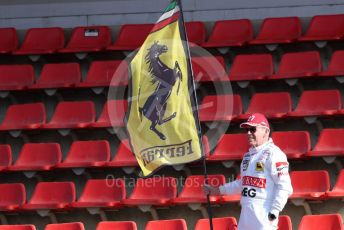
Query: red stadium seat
(87, 154)
(220, 108)
(230, 147)
(124, 156)
(284, 223)
(102, 193)
(278, 30)
(113, 114)
(322, 222)
(293, 143)
(51, 195)
(317, 103)
(298, 65)
(88, 39)
(336, 66)
(222, 223)
(24, 116)
(209, 68)
(8, 40)
(34, 44)
(319, 28)
(157, 191)
(120, 225)
(65, 226)
(305, 186)
(131, 36)
(76, 114)
(196, 33)
(330, 143)
(247, 67)
(37, 156)
(12, 196)
(5, 156)
(106, 73)
(338, 189)
(59, 75)
(272, 105)
(18, 227)
(192, 190)
(175, 224)
(230, 33)
(16, 77)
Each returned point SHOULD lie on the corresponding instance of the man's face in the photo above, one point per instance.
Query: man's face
(257, 135)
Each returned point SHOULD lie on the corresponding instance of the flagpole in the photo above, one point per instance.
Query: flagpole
(199, 125)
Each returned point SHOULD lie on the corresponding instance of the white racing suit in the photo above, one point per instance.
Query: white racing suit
(264, 186)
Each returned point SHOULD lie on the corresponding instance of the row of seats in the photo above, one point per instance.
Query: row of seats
(156, 191)
(308, 222)
(275, 105)
(82, 154)
(82, 114)
(248, 67)
(67, 115)
(85, 154)
(239, 33)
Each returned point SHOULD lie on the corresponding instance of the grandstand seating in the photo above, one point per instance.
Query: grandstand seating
(37, 157)
(110, 225)
(278, 30)
(222, 223)
(157, 191)
(34, 44)
(58, 75)
(102, 193)
(248, 67)
(196, 33)
(16, 77)
(295, 144)
(65, 226)
(18, 227)
(338, 189)
(322, 222)
(230, 147)
(318, 29)
(298, 65)
(87, 154)
(306, 187)
(329, 144)
(72, 114)
(51, 195)
(12, 196)
(317, 103)
(209, 68)
(218, 108)
(124, 157)
(335, 67)
(192, 190)
(106, 73)
(8, 40)
(272, 105)
(238, 33)
(5, 156)
(88, 39)
(112, 115)
(284, 223)
(131, 36)
(24, 116)
(179, 224)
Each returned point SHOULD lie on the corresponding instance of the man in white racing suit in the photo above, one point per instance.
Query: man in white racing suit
(264, 184)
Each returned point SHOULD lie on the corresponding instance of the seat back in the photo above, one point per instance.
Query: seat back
(114, 112)
(60, 74)
(8, 40)
(120, 225)
(292, 141)
(175, 224)
(65, 226)
(53, 193)
(319, 101)
(284, 223)
(12, 194)
(233, 146)
(223, 223)
(321, 222)
(196, 32)
(16, 76)
(157, 187)
(5, 155)
(270, 103)
(18, 227)
(88, 151)
(330, 140)
(304, 182)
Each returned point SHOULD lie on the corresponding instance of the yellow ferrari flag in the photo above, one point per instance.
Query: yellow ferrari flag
(162, 119)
